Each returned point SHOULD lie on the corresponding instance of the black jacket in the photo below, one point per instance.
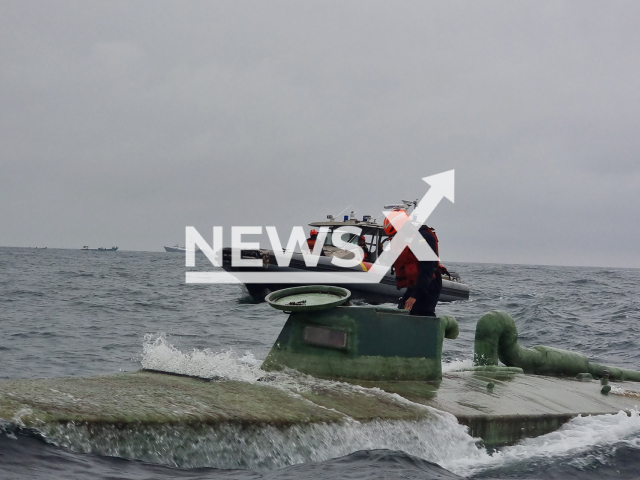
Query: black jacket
(428, 287)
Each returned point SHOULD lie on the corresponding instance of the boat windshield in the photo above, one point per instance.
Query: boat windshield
(352, 239)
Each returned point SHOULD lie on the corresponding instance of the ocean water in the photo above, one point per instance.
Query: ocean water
(73, 313)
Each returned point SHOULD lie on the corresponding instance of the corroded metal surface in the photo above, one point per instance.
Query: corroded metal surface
(517, 406)
(497, 339)
(379, 344)
(148, 397)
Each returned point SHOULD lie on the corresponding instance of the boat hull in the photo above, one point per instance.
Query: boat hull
(375, 293)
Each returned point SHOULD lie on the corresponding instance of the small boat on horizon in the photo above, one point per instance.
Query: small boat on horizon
(178, 249)
(99, 249)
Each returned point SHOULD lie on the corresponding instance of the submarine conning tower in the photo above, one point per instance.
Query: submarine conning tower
(497, 339)
(326, 340)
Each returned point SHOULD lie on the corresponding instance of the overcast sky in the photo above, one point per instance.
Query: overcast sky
(123, 122)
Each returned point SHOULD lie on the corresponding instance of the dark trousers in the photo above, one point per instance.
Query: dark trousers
(424, 307)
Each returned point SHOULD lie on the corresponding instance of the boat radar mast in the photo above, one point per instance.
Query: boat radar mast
(405, 205)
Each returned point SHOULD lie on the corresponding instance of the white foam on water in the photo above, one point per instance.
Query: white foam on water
(17, 417)
(159, 354)
(265, 447)
(577, 436)
(457, 365)
(439, 438)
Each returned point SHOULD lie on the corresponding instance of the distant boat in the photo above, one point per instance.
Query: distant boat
(99, 249)
(178, 249)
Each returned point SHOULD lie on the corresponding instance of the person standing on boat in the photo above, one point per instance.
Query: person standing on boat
(362, 243)
(311, 241)
(422, 279)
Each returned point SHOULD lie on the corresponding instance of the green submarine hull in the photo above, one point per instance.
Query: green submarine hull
(384, 365)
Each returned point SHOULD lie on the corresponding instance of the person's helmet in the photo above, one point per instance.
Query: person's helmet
(394, 221)
(362, 239)
(313, 232)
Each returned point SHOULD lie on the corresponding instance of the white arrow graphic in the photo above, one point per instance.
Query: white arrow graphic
(442, 186)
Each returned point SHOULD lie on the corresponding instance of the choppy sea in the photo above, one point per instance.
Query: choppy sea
(73, 313)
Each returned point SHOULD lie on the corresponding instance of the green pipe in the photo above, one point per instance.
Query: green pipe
(497, 339)
(451, 329)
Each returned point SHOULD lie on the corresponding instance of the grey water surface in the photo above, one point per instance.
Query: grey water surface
(74, 313)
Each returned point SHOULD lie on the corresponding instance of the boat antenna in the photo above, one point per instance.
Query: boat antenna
(405, 205)
(337, 215)
(410, 203)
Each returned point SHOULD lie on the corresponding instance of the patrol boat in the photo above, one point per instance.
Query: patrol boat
(373, 293)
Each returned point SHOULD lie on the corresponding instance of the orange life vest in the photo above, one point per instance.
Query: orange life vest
(407, 268)
(311, 241)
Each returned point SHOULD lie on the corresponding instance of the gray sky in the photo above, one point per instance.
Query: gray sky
(123, 122)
